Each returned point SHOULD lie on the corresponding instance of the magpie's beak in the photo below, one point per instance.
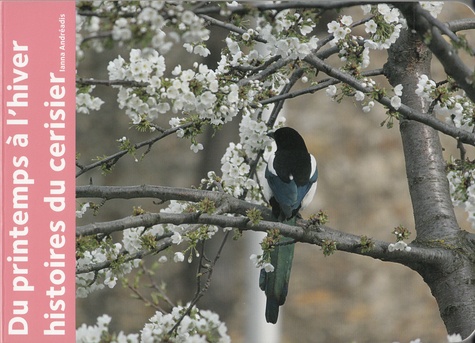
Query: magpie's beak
(271, 134)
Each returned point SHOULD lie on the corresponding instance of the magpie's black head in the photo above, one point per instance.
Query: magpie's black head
(287, 138)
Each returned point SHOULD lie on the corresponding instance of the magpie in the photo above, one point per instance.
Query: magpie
(291, 181)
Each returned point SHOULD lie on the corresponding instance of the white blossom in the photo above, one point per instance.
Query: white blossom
(331, 90)
(346, 20)
(371, 26)
(83, 210)
(195, 147)
(178, 257)
(269, 268)
(398, 90)
(367, 108)
(131, 239)
(176, 238)
(396, 102)
(359, 96)
(366, 9)
(191, 328)
(333, 26)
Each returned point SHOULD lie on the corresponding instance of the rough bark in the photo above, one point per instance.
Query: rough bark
(451, 279)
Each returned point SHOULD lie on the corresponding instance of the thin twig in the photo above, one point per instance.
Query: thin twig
(201, 290)
(114, 158)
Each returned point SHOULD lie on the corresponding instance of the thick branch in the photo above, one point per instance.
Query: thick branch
(304, 232)
(227, 202)
(301, 233)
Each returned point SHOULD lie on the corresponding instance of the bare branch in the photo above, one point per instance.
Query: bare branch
(165, 193)
(461, 24)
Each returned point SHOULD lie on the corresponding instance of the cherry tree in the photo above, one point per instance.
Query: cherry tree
(269, 48)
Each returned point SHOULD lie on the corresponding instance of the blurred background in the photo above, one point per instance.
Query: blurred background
(362, 186)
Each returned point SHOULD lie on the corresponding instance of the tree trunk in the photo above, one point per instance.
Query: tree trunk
(451, 281)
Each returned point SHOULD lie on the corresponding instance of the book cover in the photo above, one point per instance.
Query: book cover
(37, 174)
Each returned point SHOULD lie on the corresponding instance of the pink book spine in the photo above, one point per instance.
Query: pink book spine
(37, 52)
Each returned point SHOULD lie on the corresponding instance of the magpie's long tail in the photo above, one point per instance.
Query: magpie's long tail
(276, 284)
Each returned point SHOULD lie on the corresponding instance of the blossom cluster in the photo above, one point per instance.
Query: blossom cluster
(396, 99)
(142, 22)
(200, 326)
(235, 163)
(132, 243)
(282, 41)
(100, 333)
(455, 107)
(149, 94)
(198, 93)
(146, 65)
(85, 101)
(425, 87)
(87, 283)
(382, 28)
